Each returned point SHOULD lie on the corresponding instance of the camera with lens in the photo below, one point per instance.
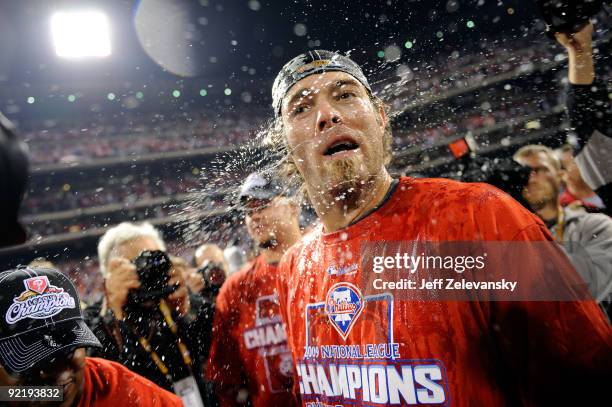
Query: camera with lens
(214, 277)
(153, 268)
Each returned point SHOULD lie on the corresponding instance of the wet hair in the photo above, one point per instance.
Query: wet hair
(533, 149)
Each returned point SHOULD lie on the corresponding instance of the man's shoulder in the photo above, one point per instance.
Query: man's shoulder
(448, 187)
(493, 214)
(445, 193)
(107, 372)
(106, 367)
(593, 225)
(304, 244)
(109, 377)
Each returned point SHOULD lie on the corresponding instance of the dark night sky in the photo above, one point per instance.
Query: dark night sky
(263, 39)
(237, 44)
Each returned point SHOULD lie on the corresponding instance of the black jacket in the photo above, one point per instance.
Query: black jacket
(120, 341)
(590, 114)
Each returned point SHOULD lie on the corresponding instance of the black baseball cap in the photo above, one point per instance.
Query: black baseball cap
(261, 186)
(40, 315)
(310, 63)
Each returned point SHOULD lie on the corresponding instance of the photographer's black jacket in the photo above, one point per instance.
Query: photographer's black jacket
(120, 341)
(590, 114)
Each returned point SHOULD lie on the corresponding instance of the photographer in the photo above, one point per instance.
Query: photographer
(211, 269)
(203, 282)
(147, 321)
(209, 252)
(575, 190)
(585, 237)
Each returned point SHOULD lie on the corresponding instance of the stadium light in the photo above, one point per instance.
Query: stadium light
(79, 34)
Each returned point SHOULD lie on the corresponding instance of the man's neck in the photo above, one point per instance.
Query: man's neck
(549, 212)
(284, 242)
(580, 189)
(338, 217)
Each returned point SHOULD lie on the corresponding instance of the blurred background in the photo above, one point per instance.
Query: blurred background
(130, 109)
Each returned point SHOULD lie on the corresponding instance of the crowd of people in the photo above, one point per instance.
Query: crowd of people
(73, 224)
(88, 141)
(471, 115)
(103, 191)
(79, 142)
(136, 135)
(304, 321)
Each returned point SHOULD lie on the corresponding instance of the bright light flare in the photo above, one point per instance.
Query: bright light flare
(80, 34)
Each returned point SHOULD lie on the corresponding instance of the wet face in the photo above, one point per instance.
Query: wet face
(543, 185)
(63, 369)
(335, 135)
(267, 221)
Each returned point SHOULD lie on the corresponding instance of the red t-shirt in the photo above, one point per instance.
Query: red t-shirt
(249, 340)
(109, 384)
(460, 353)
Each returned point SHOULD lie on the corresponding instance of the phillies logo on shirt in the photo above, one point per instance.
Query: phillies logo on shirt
(343, 306)
(40, 300)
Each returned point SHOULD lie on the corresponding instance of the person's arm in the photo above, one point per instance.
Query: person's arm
(110, 332)
(120, 279)
(106, 318)
(579, 48)
(589, 113)
(559, 350)
(591, 254)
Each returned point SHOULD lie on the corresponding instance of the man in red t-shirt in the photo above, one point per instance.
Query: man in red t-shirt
(354, 345)
(249, 349)
(42, 343)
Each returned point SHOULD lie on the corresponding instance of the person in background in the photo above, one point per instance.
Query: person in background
(209, 273)
(249, 358)
(191, 277)
(236, 258)
(50, 350)
(590, 113)
(586, 237)
(212, 253)
(575, 190)
(147, 319)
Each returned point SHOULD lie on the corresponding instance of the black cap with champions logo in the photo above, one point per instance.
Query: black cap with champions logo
(310, 63)
(40, 315)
